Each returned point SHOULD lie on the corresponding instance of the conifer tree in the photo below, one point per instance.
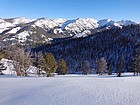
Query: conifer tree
(136, 64)
(41, 66)
(110, 69)
(85, 67)
(39, 62)
(51, 65)
(120, 65)
(62, 67)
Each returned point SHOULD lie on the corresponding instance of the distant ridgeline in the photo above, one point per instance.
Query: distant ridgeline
(109, 44)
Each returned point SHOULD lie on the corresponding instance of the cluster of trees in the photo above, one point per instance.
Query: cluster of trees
(136, 63)
(109, 44)
(101, 66)
(22, 60)
(118, 47)
(2, 67)
(48, 64)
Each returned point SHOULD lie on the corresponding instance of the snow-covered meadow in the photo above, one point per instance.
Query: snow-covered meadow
(70, 90)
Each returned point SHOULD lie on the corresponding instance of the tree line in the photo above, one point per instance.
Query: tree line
(47, 65)
(119, 47)
(109, 44)
(22, 60)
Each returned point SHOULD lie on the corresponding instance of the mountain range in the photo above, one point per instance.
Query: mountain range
(46, 30)
(76, 40)
(109, 43)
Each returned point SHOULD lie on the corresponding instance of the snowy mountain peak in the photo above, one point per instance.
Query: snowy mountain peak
(18, 20)
(21, 20)
(105, 22)
(44, 28)
(2, 20)
(59, 20)
(45, 23)
(126, 22)
(80, 24)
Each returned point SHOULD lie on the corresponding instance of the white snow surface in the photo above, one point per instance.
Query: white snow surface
(126, 22)
(72, 89)
(23, 36)
(4, 24)
(56, 31)
(45, 23)
(75, 27)
(108, 22)
(10, 68)
(14, 30)
(22, 20)
(69, 90)
(32, 71)
(59, 21)
(3, 29)
(80, 24)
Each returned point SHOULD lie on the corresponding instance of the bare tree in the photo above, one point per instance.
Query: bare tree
(24, 61)
(21, 60)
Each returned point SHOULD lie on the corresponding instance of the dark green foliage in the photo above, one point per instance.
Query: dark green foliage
(41, 66)
(102, 44)
(62, 67)
(39, 62)
(136, 64)
(120, 65)
(85, 67)
(110, 69)
(51, 65)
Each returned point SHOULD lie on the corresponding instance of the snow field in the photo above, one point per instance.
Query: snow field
(70, 90)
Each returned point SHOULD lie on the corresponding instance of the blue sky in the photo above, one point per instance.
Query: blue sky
(70, 9)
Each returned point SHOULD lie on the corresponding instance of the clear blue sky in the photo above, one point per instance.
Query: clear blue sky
(70, 9)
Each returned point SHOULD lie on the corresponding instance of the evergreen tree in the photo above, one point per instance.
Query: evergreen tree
(85, 67)
(62, 67)
(105, 43)
(51, 65)
(120, 65)
(39, 62)
(101, 66)
(41, 66)
(136, 64)
(110, 69)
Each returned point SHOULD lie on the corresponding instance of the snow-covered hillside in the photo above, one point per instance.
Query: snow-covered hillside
(52, 28)
(108, 22)
(69, 90)
(79, 25)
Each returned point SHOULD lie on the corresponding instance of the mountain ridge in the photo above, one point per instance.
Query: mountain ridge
(44, 30)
